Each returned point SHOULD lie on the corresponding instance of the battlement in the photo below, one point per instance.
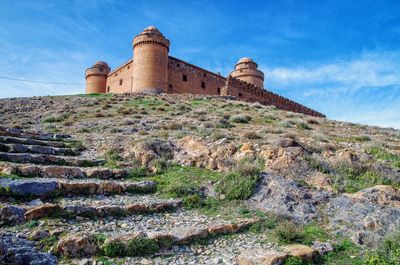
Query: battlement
(153, 70)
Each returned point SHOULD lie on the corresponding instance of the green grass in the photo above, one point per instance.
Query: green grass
(145, 102)
(382, 154)
(288, 232)
(52, 119)
(387, 253)
(344, 253)
(96, 95)
(351, 180)
(182, 181)
(240, 119)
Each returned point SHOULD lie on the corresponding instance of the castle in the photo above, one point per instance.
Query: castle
(153, 70)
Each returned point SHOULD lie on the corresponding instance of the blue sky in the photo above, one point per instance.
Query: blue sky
(340, 57)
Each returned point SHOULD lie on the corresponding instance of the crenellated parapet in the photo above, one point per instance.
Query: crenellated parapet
(245, 91)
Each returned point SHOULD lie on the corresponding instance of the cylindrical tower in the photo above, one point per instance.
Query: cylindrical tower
(96, 78)
(150, 58)
(246, 70)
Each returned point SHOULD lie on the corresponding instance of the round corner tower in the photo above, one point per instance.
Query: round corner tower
(246, 70)
(150, 58)
(96, 77)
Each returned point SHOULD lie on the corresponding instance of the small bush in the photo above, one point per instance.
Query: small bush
(52, 119)
(240, 119)
(172, 126)
(236, 186)
(303, 126)
(295, 261)
(387, 253)
(362, 138)
(114, 248)
(251, 135)
(287, 232)
(141, 246)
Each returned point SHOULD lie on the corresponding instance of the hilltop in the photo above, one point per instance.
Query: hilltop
(194, 180)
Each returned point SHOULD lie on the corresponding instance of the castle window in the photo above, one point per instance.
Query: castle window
(204, 74)
(177, 64)
(184, 78)
(129, 67)
(203, 84)
(108, 89)
(116, 74)
(240, 95)
(219, 90)
(120, 82)
(170, 88)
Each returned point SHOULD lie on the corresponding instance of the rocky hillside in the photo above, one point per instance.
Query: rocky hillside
(184, 179)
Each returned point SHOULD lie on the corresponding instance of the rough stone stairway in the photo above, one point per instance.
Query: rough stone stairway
(59, 207)
(74, 208)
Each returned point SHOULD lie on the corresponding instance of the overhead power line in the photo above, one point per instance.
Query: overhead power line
(39, 82)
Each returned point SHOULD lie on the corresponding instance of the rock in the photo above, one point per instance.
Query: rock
(187, 234)
(47, 209)
(258, 256)
(146, 152)
(285, 161)
(320, 181)
(35, 203)
(322, 247)
(7, 169)
(78, 187)
(105, 173)
(364, 222)
(10, 214)
(223, 229)
(301, 251)
(381, 194)
(77, 245)
(18, 251)
(287, 198)
(27, 187)
(39, 234)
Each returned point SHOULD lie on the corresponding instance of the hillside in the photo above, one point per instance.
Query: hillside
(184, 179)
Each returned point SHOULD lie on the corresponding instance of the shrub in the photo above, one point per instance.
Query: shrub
(236, 186)
(295, 261)
(344, 253)
(52, 119)
(303, 126)
(362, 138)
(387, 253)
(251, 135)
(141, 246)
(248, 167)
(172, 126)
(288, 232)
(114, 248)
(240, 119)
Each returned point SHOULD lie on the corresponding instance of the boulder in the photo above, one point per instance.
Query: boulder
(364, 221)
(301, 251)
(28, 187)
(77, 245)
(10, 214)
(18, 251)
(186, 234)
(258, 256)
(45, 210)
(286, 198)
(384, 195)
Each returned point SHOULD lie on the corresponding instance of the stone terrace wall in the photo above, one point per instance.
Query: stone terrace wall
(195, 76)
(251, 93)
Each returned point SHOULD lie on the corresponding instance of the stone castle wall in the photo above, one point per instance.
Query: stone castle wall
(251, 93)
(198, 80)
(120, 79)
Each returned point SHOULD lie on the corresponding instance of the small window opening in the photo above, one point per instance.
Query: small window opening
(170, 87)
(203, 84)
(240, 95)
(116, 74)
(108, 89)
(129, 67)
(184, 78)
(178, 64)
(204, 74)
(219, 90)
(120, 82)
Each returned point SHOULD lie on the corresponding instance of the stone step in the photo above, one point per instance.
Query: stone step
(54, 171)
(6, 131)
(16, 140)
(48, 159)
(38, 149)
(45, 188)
(12, 214)
(85, 244)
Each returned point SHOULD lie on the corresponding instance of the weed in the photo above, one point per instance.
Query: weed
(240, 119)
(236, 186)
